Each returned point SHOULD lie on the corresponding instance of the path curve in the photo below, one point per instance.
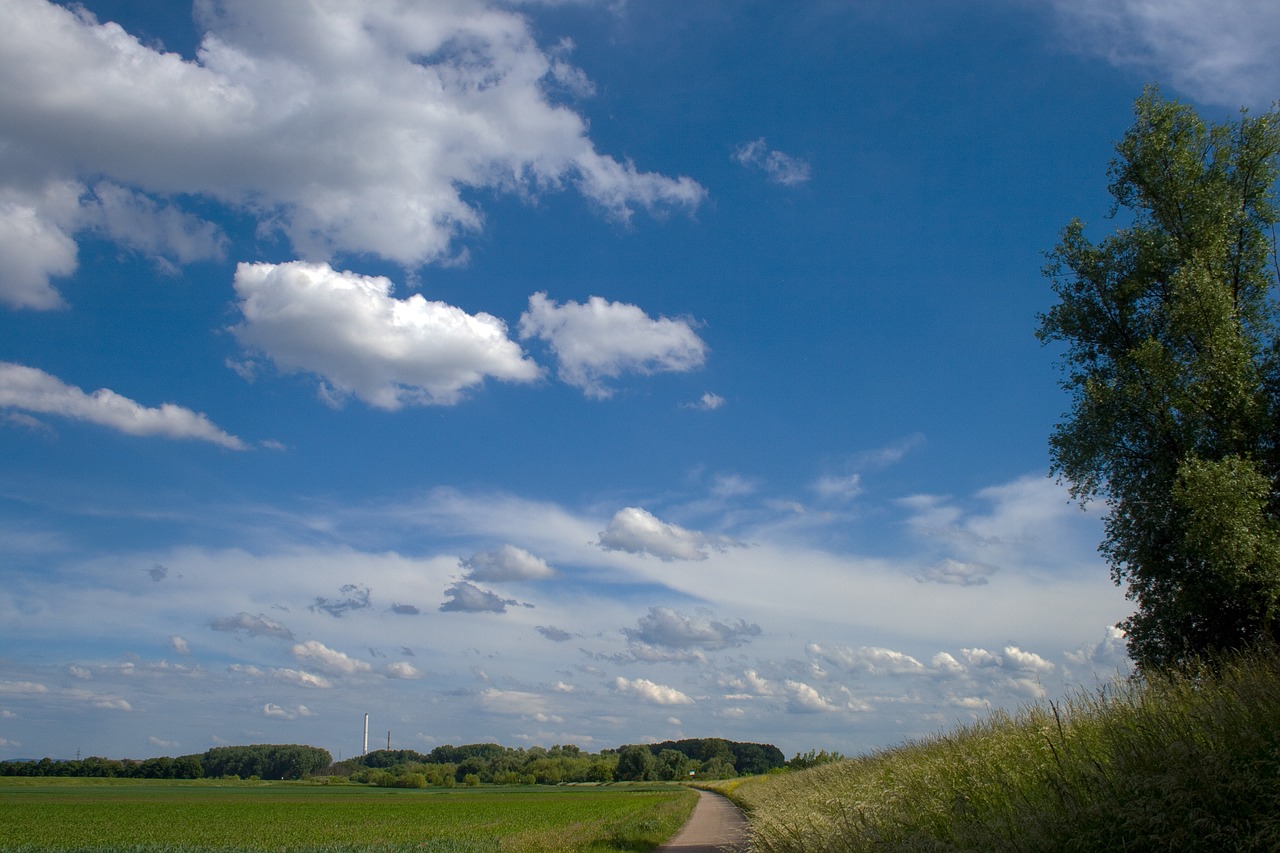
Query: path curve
(716, 826)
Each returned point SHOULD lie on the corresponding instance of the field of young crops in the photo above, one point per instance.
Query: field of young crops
(152, 816)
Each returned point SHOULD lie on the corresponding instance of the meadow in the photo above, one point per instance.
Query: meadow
(1187, 762)
(160, 816)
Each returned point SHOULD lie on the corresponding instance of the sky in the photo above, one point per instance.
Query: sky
(553, 372)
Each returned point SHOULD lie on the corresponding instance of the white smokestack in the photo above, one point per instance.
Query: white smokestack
(365, 751)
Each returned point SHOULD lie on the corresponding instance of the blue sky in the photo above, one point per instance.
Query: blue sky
(552, 372)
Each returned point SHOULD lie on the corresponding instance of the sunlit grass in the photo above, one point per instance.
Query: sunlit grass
(1189, 762)
(172, 817)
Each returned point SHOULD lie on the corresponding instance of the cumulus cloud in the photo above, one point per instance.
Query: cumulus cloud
(657, 694)
(636, 531)
(106, 702)
(803, 699)
(22, 688)
(352, 127)
(349, 330)
(1108, 653)
(179, 645)
(555, 635)
(280, 712)
(663, 626)
(254, 626)
(779, 168)
(301, 678)
(355, 597)
(601, 340)
(507, 563)
(401, 669)
(873, 660)
(33, 390)
(34, 248)
(464, 597)
(1222, 53)
(327, 659)
(405, 610)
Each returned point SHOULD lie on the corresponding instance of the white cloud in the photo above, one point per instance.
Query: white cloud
(22, 688)
(869, 659)
(803, 699)
(301, 678)
(839, 486)
(330, 660)
(179, 645)
(464, 597)
(1016, 658)
(279, 712)
(351, 332)
(663, 626)
(401, 669)
(33, 247)
(956, 573)
(159, 231)
(658, 694)
(708, 402)
(163, 744)
(254, 626)
(507, 563)
(351, 126)
(637, 531)
(602, 340)
(516, 702)
(778, 167)
(1221, 52)
(34, 390)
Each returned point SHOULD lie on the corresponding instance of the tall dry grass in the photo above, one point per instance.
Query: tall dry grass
(1180, 762)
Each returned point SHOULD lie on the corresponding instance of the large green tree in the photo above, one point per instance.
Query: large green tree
(1170, 355)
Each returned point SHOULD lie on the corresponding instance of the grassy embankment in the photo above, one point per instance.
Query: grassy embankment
(1188, 762)
(153, 816)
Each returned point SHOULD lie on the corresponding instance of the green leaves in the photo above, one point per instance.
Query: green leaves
(1170, 335)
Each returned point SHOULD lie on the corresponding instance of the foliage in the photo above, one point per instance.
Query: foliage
(182, 767)
(1173, 361)
(1168, 762)
(172, 817)
(716, 758)
(803, 761)
(266, 761)
(444, 767)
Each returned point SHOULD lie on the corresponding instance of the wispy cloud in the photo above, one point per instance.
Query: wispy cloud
(1220, 53)
(33, 390)
(778, 167)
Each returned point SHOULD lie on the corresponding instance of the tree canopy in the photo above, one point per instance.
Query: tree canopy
(1173, 365)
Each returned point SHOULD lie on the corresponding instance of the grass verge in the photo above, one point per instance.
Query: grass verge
(1187, 762)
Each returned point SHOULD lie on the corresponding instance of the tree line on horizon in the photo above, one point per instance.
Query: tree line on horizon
(443, 766)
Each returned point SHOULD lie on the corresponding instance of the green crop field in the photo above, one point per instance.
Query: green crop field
(155, 816)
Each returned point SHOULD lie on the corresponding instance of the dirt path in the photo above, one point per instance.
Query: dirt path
(716, 826)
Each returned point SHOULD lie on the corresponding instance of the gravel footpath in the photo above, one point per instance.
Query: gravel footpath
(716, 826)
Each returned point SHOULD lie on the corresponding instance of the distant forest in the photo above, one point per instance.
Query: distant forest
(444, 766)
